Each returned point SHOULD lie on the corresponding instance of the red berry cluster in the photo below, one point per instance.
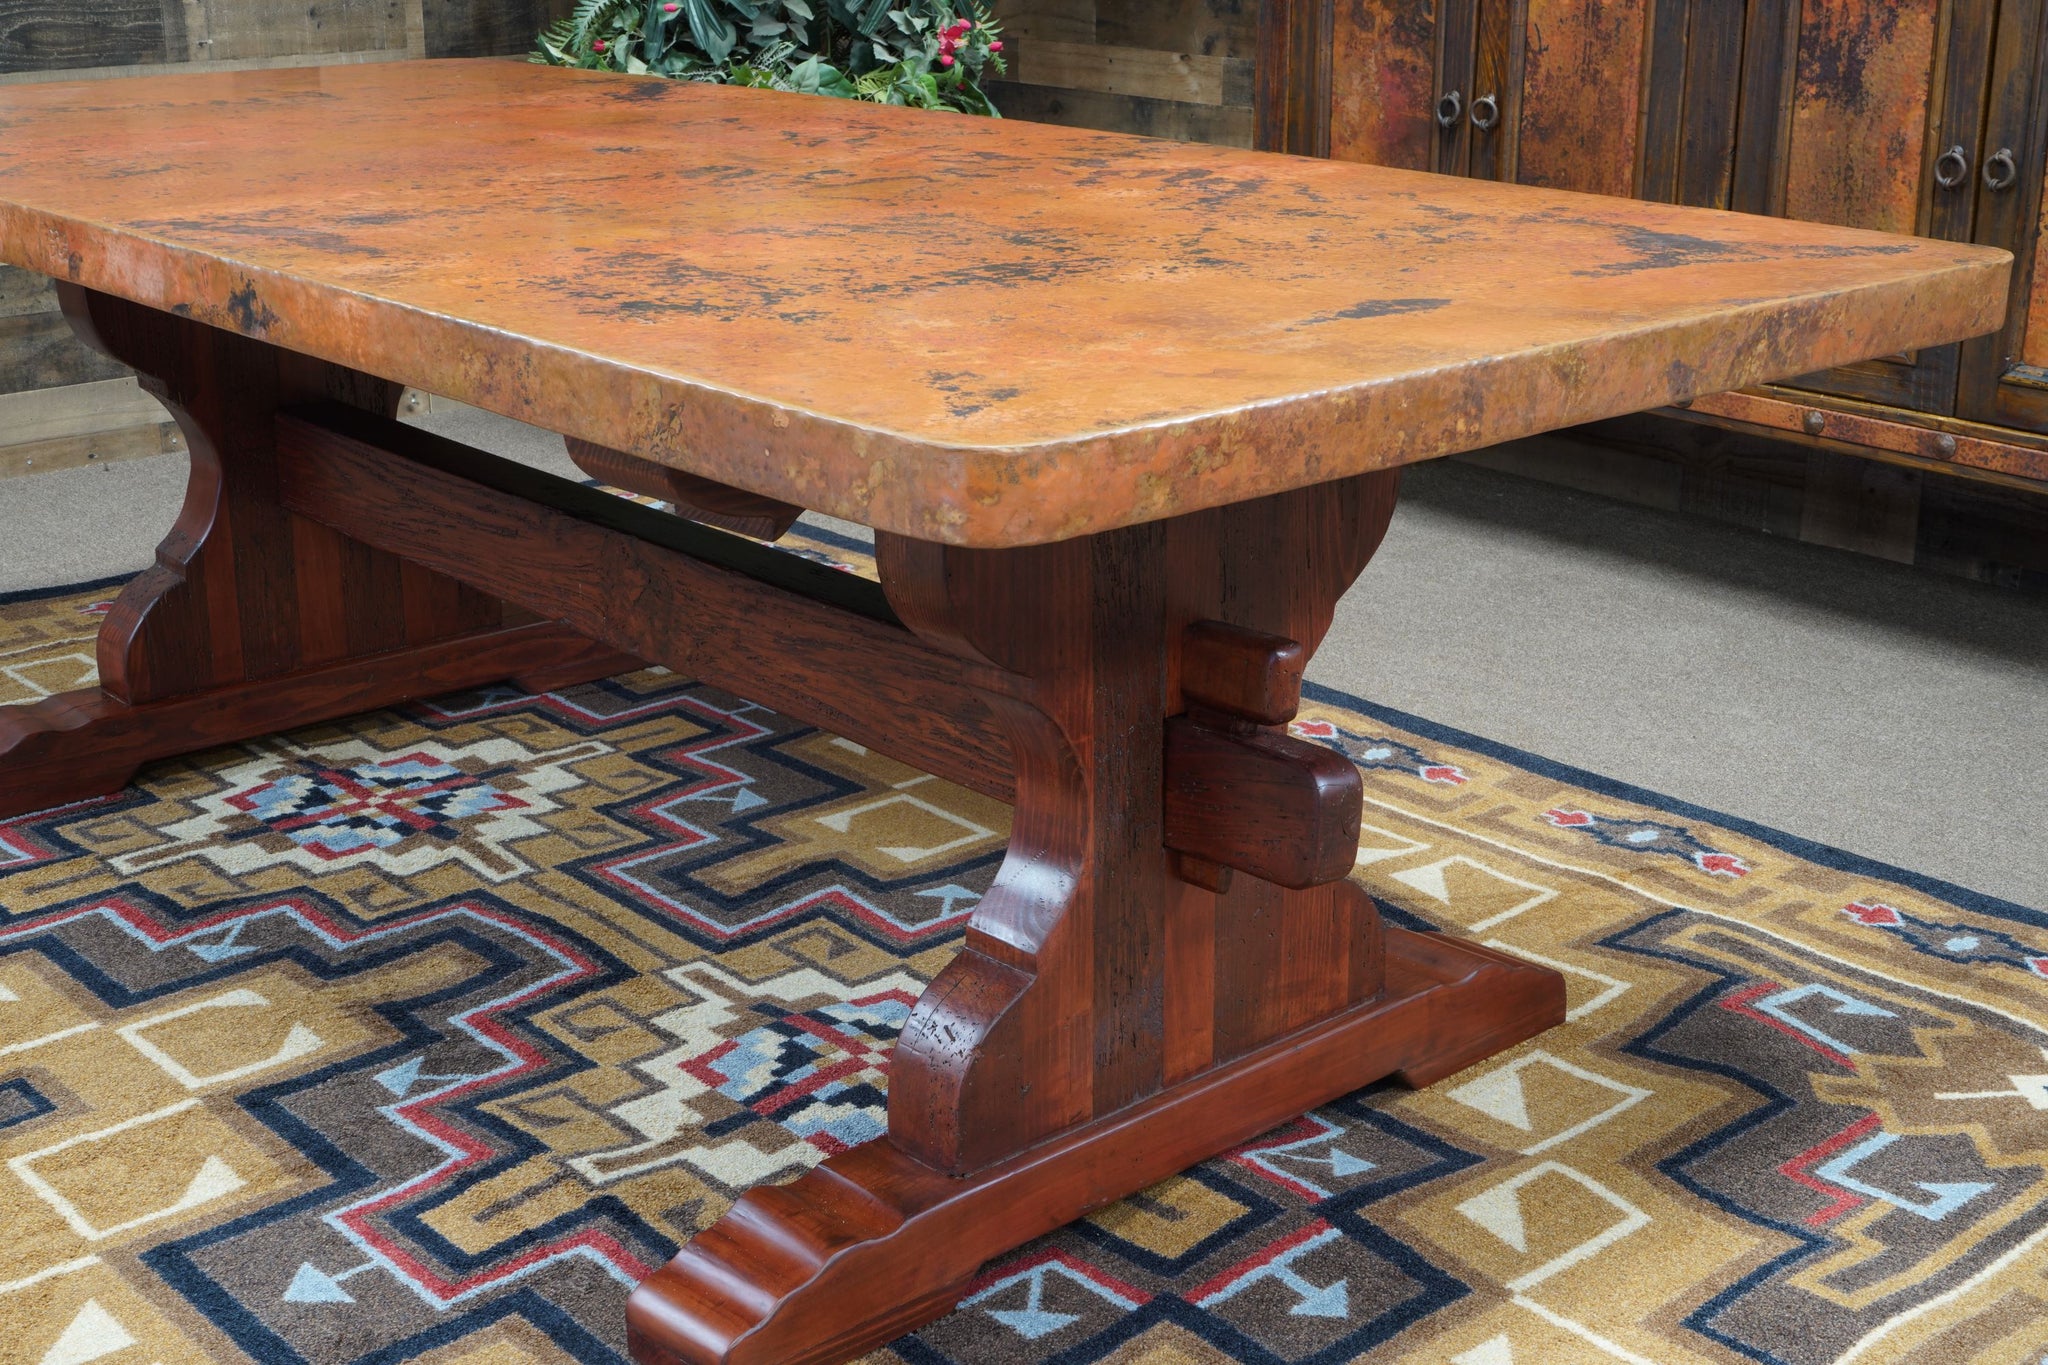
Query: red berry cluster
(955, 34)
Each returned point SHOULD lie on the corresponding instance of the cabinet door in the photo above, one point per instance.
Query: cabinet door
(2005, 375)
(1576, 117)
(1879, 127)
(1384, 80)
(1544, 92)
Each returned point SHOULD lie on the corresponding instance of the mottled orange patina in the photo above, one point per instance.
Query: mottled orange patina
(959, 329)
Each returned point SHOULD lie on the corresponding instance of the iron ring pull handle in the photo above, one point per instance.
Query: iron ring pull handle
(2000, 170)
(1485, 113)
(1957, 158)
(1449, 109)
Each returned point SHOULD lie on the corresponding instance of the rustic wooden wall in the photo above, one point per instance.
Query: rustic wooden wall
(62, 405)
(1167, 68)
(1991, 533)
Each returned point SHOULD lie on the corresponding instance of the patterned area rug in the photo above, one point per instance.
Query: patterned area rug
(424, 1035)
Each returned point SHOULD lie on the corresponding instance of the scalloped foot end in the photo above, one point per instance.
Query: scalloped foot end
(875, 1243)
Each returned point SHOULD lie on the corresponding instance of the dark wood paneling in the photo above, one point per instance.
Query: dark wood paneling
(1496, 93)
(1457, 38)
(1763, 116)
(1664, 100)
(2004, 377)
(487, 28)
(57, 35)
(1694, 82)
(1991, 534)
(1291, 106)
(1230, 127)
(1713, 77)
(1209, 28)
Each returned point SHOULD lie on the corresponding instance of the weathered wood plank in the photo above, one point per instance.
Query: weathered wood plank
(1664, 100)
(1861, 505)
(1859, 116)
(487, 28)
(38, 351)
(1582, 95)
(1457, 50)
(1209, 28)
(1291, 106)
(1383, 82)
(76, 410)
(1176, 119)
(99, 447)
(238, 29)
(56, 35)
(1061, 21)
(1713, 84)
(1496, 94)
(1764, 118)
(1152, 74)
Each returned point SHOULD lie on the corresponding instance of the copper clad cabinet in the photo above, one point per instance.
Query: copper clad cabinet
(1912, 116)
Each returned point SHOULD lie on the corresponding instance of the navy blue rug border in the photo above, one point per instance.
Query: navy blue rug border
(1807, 850)
(8, 599)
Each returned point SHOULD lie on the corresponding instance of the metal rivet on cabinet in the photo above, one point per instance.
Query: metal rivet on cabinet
(1814, 422)
(1945, 446)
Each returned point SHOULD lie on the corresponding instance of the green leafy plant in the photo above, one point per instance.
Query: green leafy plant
(930, 54)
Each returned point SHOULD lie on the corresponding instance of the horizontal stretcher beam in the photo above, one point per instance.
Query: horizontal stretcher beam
(817, 643)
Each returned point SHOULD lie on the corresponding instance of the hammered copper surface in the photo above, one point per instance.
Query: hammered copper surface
(959, 329)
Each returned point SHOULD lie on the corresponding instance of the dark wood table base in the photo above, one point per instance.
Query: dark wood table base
(1171, 960)
(254, 620)
(875, 1243)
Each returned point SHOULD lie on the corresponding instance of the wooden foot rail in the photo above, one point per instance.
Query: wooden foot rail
(1170, 960)
(254, 619)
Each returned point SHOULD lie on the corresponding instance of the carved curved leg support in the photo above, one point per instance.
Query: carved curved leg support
(1170, 961)
(253, 619)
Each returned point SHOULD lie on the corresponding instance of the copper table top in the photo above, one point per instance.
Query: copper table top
(960, 329)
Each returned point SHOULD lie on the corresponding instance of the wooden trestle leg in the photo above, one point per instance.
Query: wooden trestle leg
(254, 619)
(1171, 960)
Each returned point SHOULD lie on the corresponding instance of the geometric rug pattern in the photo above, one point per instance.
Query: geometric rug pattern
(424, 1035)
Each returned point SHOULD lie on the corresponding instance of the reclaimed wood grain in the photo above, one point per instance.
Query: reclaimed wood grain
(50, 35)
(108, 445)
(487, 28)
(1226, 125)
(1208, 28)
(1291, 105)
(734, 333)
(1149, 72)
(835, 657)
(1493, 104)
